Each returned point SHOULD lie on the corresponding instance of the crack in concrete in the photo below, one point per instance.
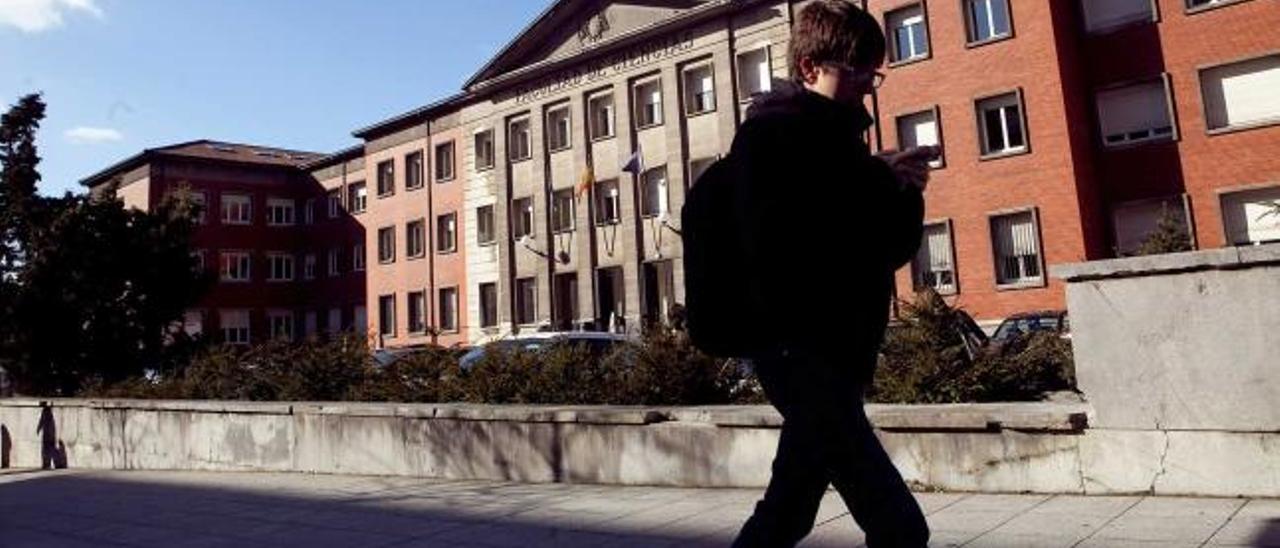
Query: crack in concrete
(1164, 456)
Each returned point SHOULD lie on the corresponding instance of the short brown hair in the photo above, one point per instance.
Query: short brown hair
(836, 31)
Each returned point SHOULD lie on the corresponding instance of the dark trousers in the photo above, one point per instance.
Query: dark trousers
(827, 440)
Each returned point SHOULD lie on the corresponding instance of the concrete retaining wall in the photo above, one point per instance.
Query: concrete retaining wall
(1033, 447)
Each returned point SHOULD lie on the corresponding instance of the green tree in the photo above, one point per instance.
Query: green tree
(92, 289)
(1170, 236)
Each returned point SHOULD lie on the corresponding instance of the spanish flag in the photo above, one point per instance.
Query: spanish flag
(588, 179)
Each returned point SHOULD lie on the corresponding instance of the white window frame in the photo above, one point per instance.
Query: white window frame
(1002, 102)
(559, 128)
(1192, 8)
(418, 236)
(281, 212)
(286, 321)
(602, 115)
(241, 331)
(335, 203)
(563, 221)
(491, 237)
(334, 267)
(522, 218)
(280, 267)
(1258, 215)
(357, 258)
(519, 139)
(415, 166)
(237, 209)
(385, 328)
(483, 305)
(656, 178)
(484, 148)
(608, 199)
(648, 99)
(386, 244)
(696, 79)
(1024, 281)
(903, 122)
(446, 164)
(360, 192)
(385, 174)
(416, 299)
(448, 309)
(309, 267)
(926, 256)
(1122, 94)
(309, 211)
(904, 18)
(532, 283)
(971, 30)
(1208, 99)
(241, 271)
(447, 233)
(748, 66)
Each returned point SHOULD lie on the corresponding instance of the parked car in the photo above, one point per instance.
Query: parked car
(384, 357)
(598, 343)
(1023, 323)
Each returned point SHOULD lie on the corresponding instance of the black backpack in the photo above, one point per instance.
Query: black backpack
(721, 316)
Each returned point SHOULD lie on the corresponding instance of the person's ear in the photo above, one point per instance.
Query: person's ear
(808, 70)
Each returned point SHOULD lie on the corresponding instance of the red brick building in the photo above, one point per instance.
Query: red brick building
(262, 232)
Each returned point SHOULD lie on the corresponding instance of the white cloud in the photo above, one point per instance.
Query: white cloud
(92, 135)
(40, 15)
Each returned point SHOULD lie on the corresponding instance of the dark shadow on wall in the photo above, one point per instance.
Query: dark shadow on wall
(53, 453)
(1269, 535)
(6, 446)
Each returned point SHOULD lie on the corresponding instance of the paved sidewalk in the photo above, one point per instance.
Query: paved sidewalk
(180, 509)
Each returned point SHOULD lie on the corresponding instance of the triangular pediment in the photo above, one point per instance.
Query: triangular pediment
(572, 27)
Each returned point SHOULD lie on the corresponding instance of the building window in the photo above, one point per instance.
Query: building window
(193, 323)
(987, 20)
(309, 267)
(281, 324)
(357, 258)
(484, 225)
(698, 167)
(387, 315)
(386, 178)
(653, 192)
(755, 75)
(335, 320)
(197, 261)
(1101, 15)
(484, 150)
(335, 203)
(1017, 249)
(413, 170)
(699, 90)
(1242, 94)
(235, 266)
(934, 266)
(518, 140)
(387, 245)
(559, 129)
(919, 129)
(562, 211)
(1252, 216)
(448, 309)
(357, 197)
(608, 202)
(447, 233)
(333, 262)
(279, 212)
(415, 237)
(234, 325)
(648, 101)
(444, 162)
(237, 209)
(908, 34)
(309, 211)
(488, 305)
(417, 312)
(1000, 122)
(526, 301)
(1196, 4)
(600, 109)
(311, 324)
(522, 218)
(201, 204)
(1136, 221)
(280, 267)
(1133, 114)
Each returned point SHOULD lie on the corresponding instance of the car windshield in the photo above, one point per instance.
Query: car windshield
(1014, 327)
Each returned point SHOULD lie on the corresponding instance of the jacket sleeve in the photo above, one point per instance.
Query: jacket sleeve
(902, 217)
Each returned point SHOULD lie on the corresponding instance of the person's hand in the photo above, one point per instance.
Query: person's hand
(911, 166)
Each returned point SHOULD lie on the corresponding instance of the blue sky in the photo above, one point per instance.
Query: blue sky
(123, 75)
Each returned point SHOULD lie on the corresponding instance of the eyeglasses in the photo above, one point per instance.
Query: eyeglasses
(877, 77)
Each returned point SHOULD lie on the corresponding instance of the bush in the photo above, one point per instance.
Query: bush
(924, 360)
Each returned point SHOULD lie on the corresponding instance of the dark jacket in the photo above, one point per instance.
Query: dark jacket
(824, 223)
